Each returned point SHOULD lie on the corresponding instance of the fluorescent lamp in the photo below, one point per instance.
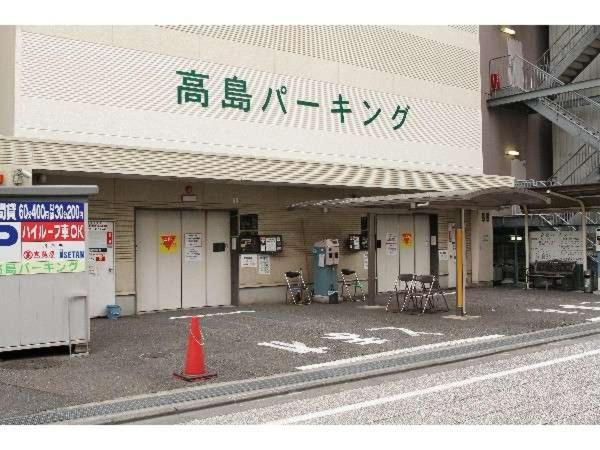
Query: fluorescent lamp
(512, 152)
(508, 30)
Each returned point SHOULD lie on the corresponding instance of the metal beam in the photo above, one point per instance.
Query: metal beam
(517, 98)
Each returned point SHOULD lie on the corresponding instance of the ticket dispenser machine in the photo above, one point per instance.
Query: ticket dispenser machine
(326, 257)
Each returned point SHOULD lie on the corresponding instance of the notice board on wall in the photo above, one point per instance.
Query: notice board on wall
(564, 245)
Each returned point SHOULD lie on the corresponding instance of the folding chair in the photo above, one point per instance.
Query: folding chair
(430, 290)
(351, 282)
(408, 280)
(297, 291)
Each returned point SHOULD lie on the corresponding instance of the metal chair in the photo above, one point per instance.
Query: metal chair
(408, 280)
(351, 282)
(297, 292)
(429, 290)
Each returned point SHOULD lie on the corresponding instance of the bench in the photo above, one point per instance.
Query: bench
(549, 272)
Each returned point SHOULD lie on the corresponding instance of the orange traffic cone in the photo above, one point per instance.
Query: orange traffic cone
(195, 370)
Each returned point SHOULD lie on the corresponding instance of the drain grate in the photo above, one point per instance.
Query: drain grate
(287, 380)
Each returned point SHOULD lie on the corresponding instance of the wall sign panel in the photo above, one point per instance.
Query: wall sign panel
(88, 92)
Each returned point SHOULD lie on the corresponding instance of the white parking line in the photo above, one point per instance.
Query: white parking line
(548, 310)
(405, 330)
(296, 347)
(400, 351)
(430, 390)
(589, 308)
(210, 315)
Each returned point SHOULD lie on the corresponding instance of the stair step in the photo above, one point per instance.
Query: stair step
(577, 65)
(592, 51)
(595, 44)
(583, 58)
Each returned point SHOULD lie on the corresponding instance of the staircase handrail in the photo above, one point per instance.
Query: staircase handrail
(533, 78)
(593, 153)
(578, 159)
(554, 175)
(547, 62)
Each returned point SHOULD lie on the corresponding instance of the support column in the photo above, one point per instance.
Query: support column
(464, 258)
(372, 260)
(526, 237)
(460, 265)
(584, 237)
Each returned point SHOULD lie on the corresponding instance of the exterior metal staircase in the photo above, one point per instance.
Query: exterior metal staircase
(548, 89)
(571, 52)
(570, 221)
(522, 76)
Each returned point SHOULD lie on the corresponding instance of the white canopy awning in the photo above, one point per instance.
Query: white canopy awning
(72, 157)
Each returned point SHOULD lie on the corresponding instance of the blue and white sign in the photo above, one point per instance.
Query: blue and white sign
(41, 211)
(42, 237)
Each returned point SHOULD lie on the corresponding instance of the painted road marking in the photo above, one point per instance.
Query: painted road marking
(211, 315)
(352, 338)
(406, 330)
(400, 351)
(295, 347)
(557, 311)
(594, 319)
(461, 317)
(590, 308)
(432, 389)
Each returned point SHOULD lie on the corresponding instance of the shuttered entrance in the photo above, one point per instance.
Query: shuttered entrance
(403, 247)
(182, 259)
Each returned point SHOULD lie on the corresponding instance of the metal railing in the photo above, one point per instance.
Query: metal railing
(526, 184)
(564, 44)
(579, 166)
(517, 75)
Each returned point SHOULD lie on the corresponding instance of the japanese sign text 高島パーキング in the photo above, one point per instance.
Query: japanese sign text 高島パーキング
(41, 237)
(193, 88)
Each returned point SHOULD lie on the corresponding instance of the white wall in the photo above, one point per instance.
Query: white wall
(7, 79)
(118, 86)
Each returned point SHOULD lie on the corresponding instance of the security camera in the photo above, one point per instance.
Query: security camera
(24, 173)
(19, 175)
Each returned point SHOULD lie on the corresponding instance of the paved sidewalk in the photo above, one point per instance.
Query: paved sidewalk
(137, 355)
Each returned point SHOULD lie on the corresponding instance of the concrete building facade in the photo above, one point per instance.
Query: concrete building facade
(232, 124)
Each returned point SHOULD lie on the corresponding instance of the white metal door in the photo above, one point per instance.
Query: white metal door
(101, 266)
(451, 255)
(193, 259)
(218, 269)
(158, 260)
(407, 244)
(387, 255)
(422, 245)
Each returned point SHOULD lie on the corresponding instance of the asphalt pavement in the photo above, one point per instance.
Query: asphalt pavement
(138, 355)
(555, 384)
